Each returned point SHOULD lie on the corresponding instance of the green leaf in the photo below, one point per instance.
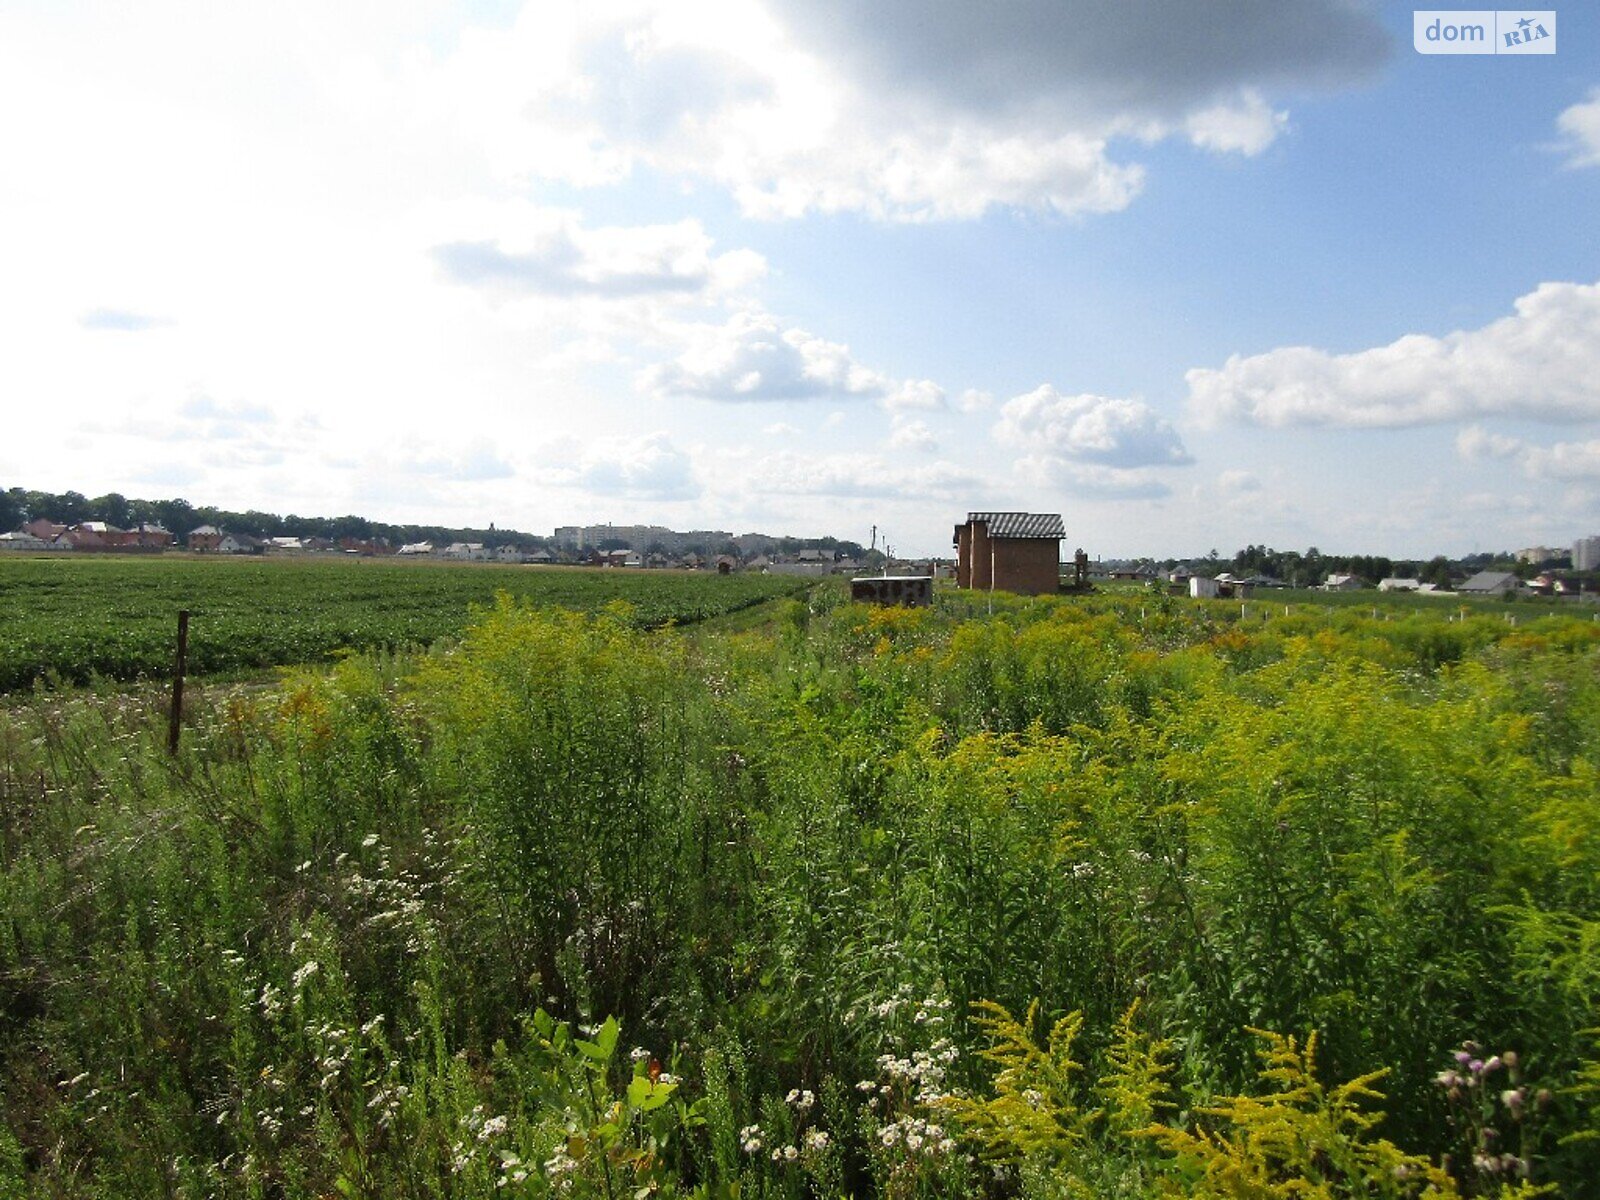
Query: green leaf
(647, 1097)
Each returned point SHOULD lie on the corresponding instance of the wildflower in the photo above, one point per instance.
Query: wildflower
(816, 1140)
(492, 1128)
(750, 1139)
(304, 972)
(369, 841)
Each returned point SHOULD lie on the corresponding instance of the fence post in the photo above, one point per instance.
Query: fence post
(175, 717)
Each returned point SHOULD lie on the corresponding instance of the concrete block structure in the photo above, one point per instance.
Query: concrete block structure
(1010, 552)
(912, 591)
(1586, 554)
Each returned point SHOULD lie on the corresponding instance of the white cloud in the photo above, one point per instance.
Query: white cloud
(863, 476)
(1539, 363)
(201, 407)
(914, 436)
(551, 253)
(751, 357)
(1565, 461)
(1115, 433)
(1247, 125)
(1090, 480)
(780, 429)
(939, 112)
(972, 400)
(650, 467)
(1238, 483)
(1477, 444)
(120, 320)
(915, 394)
(1093, 446)
(473, 463)
(1580, 126)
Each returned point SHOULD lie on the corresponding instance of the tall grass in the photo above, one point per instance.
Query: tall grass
(573, 908)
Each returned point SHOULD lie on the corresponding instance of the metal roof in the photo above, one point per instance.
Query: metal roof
(1020, 524)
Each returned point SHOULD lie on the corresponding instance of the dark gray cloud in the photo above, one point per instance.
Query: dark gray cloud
(118, 320)
(1132, 58)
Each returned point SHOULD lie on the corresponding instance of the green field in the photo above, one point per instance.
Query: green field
(78, 618)
(1309, 905)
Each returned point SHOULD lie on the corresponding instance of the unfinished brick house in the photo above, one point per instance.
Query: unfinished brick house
(1010, 552)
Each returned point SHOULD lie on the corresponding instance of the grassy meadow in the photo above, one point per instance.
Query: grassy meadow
(75, 618)
(1090, 897)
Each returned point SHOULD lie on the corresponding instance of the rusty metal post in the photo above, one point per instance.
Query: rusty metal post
(175, 717)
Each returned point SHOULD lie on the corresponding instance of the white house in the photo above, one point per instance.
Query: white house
(1342, 583)
(1395, 584)
(22, 540)
(1203, 588)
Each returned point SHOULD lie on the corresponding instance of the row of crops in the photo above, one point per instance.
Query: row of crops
(75, 620)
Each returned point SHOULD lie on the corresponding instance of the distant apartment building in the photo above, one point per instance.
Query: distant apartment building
(1586, 554)
(1010, 552)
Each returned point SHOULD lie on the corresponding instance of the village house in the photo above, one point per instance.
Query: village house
(1010, 551)
(205, 540)
(240, 543)
(43, 529)
(1490, 583)
(22, 540)
(153, 537)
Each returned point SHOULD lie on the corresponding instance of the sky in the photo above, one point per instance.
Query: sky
(1194, 276)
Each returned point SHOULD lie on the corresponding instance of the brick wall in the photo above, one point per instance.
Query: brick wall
(1027, 566)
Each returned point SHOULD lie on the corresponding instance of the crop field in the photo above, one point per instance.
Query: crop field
(1121, 897)
(74, 619)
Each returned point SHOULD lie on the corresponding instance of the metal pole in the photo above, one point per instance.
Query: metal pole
(175, 717)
